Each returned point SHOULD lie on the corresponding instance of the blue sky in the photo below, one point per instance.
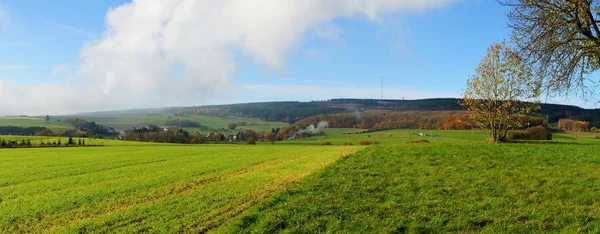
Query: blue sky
(55, 52)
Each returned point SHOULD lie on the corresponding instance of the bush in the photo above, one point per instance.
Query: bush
(539, 133)
(518, 135)
(597, 137)
(594, 130)
(369, 142)
(251, 141)
(326, 143)
(532, 133)
(417, 141)
(348, 143)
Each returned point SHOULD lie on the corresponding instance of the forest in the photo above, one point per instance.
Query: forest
(292, 112)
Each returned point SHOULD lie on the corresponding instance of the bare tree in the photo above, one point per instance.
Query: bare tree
(560, 40)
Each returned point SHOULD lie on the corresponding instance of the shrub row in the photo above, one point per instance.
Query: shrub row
(532, 133)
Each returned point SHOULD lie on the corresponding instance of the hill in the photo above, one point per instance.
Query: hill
(293, 111)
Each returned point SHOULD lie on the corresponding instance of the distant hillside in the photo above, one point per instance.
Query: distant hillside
(293, 111)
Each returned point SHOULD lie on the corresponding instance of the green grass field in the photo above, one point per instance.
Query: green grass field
(213, 122)
(441, 187)
(456, 183)
(165, 188)
(337, 136)
(33, 122)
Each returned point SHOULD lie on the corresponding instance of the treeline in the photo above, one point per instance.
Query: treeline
(431, 104)
(182, 123)
(383, 120)
(573, 125)
(291, 112)
(269, 111)
(184, 137)
(27, 143)
(90, 128)
(82, 128)
(24, 131)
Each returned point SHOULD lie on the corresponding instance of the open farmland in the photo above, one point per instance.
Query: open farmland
(212, 122)
(33, 122)
(445, 186)
(157, 188)
(454, 183)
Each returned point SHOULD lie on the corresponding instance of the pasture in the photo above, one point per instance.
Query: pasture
(440, 187)
(212, 122)
(454, 183)
(33, 122)
(157, 188)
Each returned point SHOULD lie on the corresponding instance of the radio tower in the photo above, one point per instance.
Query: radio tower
(382, 88)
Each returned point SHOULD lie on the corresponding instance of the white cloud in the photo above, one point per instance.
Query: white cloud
(177, 52)
(61, 68)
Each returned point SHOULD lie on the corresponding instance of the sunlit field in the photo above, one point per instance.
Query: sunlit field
(146, 188)
(453, 182)
(443, 186)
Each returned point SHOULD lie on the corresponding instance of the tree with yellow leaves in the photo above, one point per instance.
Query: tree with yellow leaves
(501, 92)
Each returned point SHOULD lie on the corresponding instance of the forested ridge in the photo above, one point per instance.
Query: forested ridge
(294, 111)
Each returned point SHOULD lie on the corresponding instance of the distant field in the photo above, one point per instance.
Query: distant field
(156, 188)
(33, 122)
(338, 136)
(213, 122)
(442, 187)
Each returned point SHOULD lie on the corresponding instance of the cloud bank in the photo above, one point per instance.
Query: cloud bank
(181, 52)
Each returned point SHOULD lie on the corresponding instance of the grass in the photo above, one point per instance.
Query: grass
(454, 183)
(213, 122)
(36, 140)
(33, 122)
(146, 188)
(339, 136)
(451, 186)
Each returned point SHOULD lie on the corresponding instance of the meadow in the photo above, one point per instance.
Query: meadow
(441, 187)
(146, 188)
(212, 122)
(454, 183)
(33, 122)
